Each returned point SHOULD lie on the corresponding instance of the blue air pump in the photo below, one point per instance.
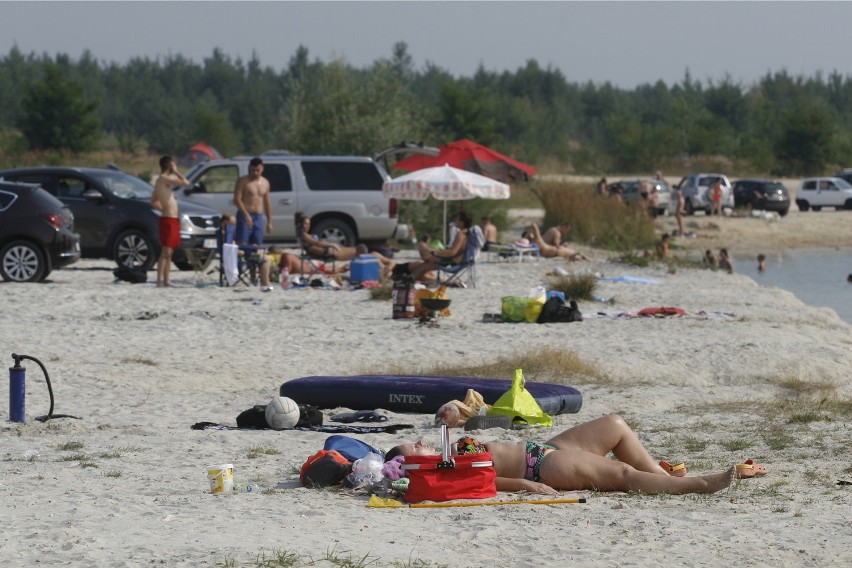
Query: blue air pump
(17, 392)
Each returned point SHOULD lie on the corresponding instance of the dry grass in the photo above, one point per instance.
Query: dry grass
(575, 286)
(545, 364)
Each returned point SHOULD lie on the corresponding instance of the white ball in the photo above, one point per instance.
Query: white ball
(282, 413)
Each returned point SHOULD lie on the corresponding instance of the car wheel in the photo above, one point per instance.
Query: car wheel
(134, 249)
(336, 231)
(802, 205)
(848, 204)
(22, 261)
(180, 259)
(783, 212)
(816, 207)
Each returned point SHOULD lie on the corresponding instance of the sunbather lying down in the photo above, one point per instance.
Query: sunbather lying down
(296, 265)
(551, 246)
(576, 460)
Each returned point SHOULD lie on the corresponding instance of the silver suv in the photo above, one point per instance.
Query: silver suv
(341, 194)
(695, 189)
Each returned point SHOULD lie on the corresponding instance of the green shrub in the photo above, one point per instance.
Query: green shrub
(599, 222)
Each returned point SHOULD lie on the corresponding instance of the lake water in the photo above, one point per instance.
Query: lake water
(818, 278)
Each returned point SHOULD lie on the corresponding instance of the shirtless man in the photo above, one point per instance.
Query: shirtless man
(251, 195)
(489, 231)
(680, 210)
(164, 200)
(553, 236)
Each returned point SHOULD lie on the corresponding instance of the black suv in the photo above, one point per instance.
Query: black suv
(114, 216)
(761, 194)
(36, 233)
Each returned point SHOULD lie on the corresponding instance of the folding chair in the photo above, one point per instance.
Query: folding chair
(305, 256)
(238, 263)
(464, 273)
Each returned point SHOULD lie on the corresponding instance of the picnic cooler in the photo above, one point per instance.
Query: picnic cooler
(364, 268)
(447, 477)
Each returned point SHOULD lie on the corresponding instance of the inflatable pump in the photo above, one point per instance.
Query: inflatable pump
(18, 389)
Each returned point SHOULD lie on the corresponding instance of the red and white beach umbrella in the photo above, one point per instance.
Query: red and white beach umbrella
(444, 183)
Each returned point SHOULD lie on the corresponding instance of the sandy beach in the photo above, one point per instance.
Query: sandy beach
(749, 372)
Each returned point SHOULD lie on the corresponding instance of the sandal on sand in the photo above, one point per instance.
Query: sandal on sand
(750, 468)
(676, 470)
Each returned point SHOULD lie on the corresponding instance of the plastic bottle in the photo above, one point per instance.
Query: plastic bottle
(284, 277)
(247, 488)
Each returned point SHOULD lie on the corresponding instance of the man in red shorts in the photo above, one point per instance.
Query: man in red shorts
(164, 200)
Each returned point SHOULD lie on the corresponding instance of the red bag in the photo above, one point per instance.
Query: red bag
(473, 477)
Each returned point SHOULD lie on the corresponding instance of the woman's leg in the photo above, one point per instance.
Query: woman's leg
(609, 434)
(575, 469)
(544, 249)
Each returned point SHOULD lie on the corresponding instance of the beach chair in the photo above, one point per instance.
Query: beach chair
(238, 264)
(311, 259)
(464, 273)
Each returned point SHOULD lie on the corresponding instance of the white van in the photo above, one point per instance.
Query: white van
(341, 194)
(816, 193)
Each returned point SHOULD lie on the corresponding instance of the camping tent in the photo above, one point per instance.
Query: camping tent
(198, 154)
(468, 155)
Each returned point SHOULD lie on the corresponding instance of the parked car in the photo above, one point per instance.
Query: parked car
(629, 190)
(36, 233)
(761, 194)
(341, 194)
(816, 193)
(114, 215)
(696, 187)
(845, 173)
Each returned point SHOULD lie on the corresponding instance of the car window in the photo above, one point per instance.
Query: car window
(825, 184)
(46, 181)
(7, 198)
(810, 184)
(70, 187)
(122, 185)
(842, 184)
(219, 179)
(772, 187)
(278, 176)
(331, 175)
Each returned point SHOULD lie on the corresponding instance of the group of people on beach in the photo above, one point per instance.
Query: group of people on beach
(247, 226)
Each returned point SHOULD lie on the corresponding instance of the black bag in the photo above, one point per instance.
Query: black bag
(132, 275)
(555, 310)
(255, 417)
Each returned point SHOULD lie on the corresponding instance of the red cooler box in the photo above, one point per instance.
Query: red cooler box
(447, 477)
(364, 268)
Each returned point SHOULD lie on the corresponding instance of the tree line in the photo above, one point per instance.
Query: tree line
(779, 125)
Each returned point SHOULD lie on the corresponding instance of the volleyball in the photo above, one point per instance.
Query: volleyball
(282, 413)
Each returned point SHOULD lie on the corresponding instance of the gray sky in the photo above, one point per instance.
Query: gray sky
(625, 43)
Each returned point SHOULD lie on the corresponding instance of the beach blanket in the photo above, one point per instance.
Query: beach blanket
(627, 315)
(630, 279)
(391, 429)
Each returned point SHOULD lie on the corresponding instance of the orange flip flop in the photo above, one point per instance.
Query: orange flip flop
(676, 470)
(750, 468)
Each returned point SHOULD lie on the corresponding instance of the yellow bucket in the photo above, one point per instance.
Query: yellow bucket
(221, 478)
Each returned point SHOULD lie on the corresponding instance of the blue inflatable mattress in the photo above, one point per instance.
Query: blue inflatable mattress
(418, 393)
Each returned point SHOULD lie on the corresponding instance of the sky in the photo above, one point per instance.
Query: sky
(624, 43)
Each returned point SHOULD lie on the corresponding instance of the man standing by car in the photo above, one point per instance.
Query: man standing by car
(251, 195)
(163, 199)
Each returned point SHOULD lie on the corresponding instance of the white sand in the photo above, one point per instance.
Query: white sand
(141, 365)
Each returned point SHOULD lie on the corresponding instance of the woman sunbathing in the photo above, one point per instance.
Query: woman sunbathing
(314, 246)
(550, 249)
(576, 460)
